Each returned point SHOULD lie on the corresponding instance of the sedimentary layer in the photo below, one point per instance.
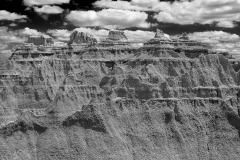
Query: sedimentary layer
(117, 102)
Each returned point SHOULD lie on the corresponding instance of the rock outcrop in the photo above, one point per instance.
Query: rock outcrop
(184, 37)
(40, 40)
(178, 46)
(81, 38)
(116, 102)
(161, 36)
(115, 37)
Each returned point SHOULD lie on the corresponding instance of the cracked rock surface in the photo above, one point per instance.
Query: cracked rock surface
(119, 103)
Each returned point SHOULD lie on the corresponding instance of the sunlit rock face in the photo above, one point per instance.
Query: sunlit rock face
(115, 37)
(81, 37)
(179, 46)
(116, 102)
(160, 35)
(40, 40)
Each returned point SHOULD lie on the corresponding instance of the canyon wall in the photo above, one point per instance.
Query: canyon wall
(118, 102)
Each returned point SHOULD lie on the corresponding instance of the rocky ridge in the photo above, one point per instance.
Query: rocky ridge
(40, 40)
(115, 37)
(166, 100)
(81, 37)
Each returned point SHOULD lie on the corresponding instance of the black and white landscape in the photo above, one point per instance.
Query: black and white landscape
(119, 80)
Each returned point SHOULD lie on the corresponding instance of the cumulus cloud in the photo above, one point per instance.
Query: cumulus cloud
(225, 12)
(30, 32)
(7, 36)
(43, 2)
(141, 5)
(119, 5)
(3, 46)
(13, 24)
(109, 18)
(144, 3)
(199, 11)
(196, 11)
(214, 36)
(5, 15)
(139, 36)
(60, 34)
(221, 41)
(49, 9)
(137, 45)
(11, 37)
(226, 24)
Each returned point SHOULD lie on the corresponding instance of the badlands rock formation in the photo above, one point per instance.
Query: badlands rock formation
(81, 37)
(115, 37)
(116, 102)
(40, 40)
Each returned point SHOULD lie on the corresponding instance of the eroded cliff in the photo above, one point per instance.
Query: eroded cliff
(118, 102)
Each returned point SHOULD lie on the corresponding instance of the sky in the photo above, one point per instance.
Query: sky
(212, 21)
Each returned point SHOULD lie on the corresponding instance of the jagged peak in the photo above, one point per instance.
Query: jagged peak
(161, 35)
(78, 37)
(184, 36)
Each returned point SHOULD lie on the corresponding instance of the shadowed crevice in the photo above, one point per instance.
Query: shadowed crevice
(86, 119)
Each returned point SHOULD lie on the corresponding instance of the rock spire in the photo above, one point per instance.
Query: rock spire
(115, 38)
(184, 36)
(81, 37)
(116, 35)
(160, 35)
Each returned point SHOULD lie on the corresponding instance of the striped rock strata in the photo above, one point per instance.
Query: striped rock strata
(119, 103)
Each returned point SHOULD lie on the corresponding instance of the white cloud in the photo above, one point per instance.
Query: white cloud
(137, 45)
(22, 20)
(109, 18)
(119, 5)
(221, 41)
(226, 24)
(9, 37)
(214, 36)
(144, 3)
(6, 39)
(185, 12)
(18, 36)
(5, 15)
(139, 36)
(60, 44)
(5, 53)
(60, 34)
(13, 24)
(3, 46)
(225, 12)
(30, 32)
(49, 9)
(43, 2)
